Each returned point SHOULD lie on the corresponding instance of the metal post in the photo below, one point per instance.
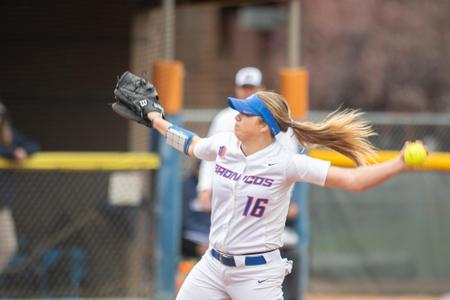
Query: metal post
(168, 211)
(294, 35)
(169, 29)
(302, 226)
(294, 62)
(168, 187)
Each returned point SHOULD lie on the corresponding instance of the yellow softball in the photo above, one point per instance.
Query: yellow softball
(415, 154)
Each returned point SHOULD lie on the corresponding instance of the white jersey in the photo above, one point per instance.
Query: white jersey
(251, 194)
(224, 122)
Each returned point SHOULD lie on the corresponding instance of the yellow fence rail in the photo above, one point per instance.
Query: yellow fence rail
(437, 161)
(86, 161)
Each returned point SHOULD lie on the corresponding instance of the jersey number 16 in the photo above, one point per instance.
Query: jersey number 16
(256, 208)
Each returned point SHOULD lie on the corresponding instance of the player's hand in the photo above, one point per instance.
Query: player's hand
(402, 155)
(204, 197)
(20, 155)
(153, 115)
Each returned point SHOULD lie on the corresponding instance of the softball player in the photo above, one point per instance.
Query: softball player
(251, 183)
(248, 80)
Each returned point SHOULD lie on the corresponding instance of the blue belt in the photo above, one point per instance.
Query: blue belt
(228, 260)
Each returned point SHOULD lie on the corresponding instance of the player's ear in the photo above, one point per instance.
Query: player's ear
(264, 128)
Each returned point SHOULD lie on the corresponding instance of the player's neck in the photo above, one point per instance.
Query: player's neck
(256, 144)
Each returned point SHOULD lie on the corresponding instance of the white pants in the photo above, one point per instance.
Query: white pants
(212, 280)
(8, 239)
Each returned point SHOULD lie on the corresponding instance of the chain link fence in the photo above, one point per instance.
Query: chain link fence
(392, 239)
(80, 233)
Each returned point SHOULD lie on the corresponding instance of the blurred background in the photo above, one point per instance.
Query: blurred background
(80, 236)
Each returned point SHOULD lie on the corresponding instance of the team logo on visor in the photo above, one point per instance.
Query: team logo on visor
(222, 151)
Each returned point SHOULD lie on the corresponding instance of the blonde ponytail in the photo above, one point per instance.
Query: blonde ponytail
(343, 131)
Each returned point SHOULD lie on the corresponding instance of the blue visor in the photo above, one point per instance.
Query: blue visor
(255, 107)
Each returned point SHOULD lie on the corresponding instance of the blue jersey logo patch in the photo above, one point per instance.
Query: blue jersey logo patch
(222, 151)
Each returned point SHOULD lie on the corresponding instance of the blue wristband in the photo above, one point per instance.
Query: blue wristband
(180, 138)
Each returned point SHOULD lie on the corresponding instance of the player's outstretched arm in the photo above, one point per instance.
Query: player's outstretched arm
(366, 177)
(178, 137)
(363, 178)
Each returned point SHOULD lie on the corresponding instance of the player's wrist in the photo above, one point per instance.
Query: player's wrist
(153, 115)
(403, 166)
(179, 138)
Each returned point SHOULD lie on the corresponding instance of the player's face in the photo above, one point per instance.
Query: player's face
(247, 126)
